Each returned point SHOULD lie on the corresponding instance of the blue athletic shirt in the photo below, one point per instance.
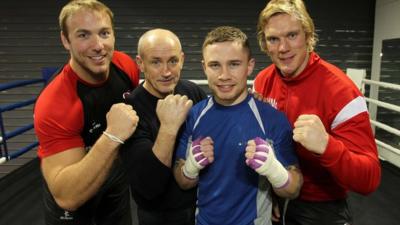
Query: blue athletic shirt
(229, 191)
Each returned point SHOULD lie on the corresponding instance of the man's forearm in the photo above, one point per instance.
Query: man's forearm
(292, 189)
(76, 183)
(183, 181)
(164, 145)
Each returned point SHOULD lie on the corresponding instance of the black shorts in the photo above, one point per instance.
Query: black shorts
(317, 213)
(110, 206)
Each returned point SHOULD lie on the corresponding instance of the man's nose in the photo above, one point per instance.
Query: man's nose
(283, 45)
(98, 42)
(224, 75)
(166, 71)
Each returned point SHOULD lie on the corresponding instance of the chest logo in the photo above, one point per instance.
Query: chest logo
(94, 127)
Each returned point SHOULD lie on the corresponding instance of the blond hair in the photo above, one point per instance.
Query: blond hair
(294, 8)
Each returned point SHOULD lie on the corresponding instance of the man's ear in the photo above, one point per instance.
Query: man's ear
(65, 41)
(139, 62)
(307, 38)
(203, 64)
(250, 67)
(183, 59)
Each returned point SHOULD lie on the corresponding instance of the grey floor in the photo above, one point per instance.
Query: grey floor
(21, 200)
(24, 206)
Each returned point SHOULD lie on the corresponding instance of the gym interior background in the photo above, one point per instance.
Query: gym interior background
(362, 34)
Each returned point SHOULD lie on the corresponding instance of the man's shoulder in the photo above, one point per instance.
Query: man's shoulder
(139, 93)
(118, 55)
(121, 59)
(61, 87)
(204, 104)
(269, 113)
(264, 105)
(125, 63)
(264, 76)
(190, 89)
(267, 70)
(59, 96)
(187, 85)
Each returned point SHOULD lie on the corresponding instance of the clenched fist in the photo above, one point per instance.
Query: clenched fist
(172, 112)
(310, 132)
(261, 158)
(121, 121)
(201, 154)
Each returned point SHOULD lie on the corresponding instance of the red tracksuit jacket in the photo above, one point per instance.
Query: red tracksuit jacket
(350, 161)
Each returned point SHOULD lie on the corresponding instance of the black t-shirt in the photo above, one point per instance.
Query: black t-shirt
(153, 185)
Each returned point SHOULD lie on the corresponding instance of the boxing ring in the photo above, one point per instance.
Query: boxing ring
(362, 206)
(387, 151)
(6, 135)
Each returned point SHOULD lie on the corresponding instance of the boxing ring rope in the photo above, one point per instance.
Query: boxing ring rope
(382, 84)
(205, 82)
(6, 135)
(47, 72)
(388, 106)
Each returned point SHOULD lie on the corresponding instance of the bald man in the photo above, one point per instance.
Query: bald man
(162, 102)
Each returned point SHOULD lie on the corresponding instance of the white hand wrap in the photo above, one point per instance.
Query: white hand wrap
(265, 164)
(195, 161)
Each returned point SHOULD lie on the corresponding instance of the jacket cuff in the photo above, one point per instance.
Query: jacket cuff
(333, 152)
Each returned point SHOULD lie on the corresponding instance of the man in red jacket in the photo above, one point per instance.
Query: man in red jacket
(335, 143)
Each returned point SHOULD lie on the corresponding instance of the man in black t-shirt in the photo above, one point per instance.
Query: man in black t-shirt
(162, 102)
(81, 122)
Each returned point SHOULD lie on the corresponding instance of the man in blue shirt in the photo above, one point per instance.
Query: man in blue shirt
(234, 146)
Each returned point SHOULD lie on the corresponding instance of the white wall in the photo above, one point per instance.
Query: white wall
(387, 26)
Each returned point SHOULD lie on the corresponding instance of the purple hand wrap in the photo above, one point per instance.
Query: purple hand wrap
(198, 154)
(195, 160)
(265, 164)
(260, 156)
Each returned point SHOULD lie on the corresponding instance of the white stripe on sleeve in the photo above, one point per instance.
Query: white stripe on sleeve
(353, 108)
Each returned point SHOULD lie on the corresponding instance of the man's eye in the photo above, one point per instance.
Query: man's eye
(155, 62)
(272, 40)
(213, 65)
(292, 36)
(234, 64)
(173, 61)
(105, 34)
(82, 35)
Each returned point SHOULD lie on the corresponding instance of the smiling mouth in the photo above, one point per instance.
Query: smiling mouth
(98, 58)
(287, 59)
(166, 80)
(225, 87)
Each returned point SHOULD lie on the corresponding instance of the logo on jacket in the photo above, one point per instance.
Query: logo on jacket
(272, 102)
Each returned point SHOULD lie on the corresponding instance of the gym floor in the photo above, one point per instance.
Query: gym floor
(23, 204)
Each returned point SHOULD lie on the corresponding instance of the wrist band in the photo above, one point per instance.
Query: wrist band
(286, 183)
(184, 172)
(113, 138)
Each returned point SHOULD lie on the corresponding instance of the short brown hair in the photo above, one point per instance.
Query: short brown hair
(75, 5)
(227, 33)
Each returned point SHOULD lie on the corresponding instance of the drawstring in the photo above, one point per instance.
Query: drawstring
(285, 205)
